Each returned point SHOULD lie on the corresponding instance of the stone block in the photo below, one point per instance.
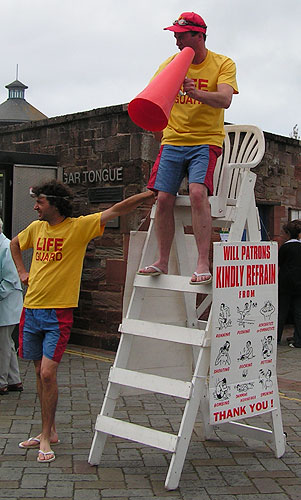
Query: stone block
(115, 271)
(149, 147)
(107, 300)
(267, 485)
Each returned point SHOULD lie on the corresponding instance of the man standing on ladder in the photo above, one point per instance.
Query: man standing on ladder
(191, 143)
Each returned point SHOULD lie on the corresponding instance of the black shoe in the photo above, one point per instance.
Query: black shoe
(15, 387)
(291, 344)
(4, 391)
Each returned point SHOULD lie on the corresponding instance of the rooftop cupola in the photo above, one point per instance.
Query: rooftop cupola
(16, 109)
(16, 90)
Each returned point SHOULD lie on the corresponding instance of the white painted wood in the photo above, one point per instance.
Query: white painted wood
(169, 306)
(161, 333)
(171, 282)
(203, 305)
(137, 433)
(110, 399)
(243, 205)
(136, 243)
(150, 382)
(181, 335)
(247, 431)
(199, 387)
(279, 436)
(186, 266)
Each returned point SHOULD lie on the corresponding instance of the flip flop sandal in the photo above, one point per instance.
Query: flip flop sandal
(157, 272)
(35, 441)
(45, 453)
(36, 444)
(204, 282)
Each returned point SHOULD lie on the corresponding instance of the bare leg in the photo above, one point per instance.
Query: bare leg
(165, 229)
(202, 225)
(46, 371)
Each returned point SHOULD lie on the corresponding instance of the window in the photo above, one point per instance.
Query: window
(266, 215)
(16, 94)
(294, 214)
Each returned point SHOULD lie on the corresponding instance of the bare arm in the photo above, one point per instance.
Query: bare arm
(222, 98)
(126, 206)
(17, 257)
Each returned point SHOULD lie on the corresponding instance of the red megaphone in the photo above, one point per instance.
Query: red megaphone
(151, 108)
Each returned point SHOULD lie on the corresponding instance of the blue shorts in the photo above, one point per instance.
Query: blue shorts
(44, 332)
(175, 162)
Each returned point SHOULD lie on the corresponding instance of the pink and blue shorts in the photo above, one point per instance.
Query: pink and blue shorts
(173, 163)
(44, 332)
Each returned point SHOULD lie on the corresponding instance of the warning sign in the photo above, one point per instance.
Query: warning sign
(244, 330)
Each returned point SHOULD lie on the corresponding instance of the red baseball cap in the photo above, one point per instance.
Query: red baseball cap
(188, 21)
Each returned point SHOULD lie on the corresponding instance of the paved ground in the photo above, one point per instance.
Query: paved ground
(227, 468)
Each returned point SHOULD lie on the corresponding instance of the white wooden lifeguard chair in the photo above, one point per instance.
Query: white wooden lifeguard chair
(164, 347)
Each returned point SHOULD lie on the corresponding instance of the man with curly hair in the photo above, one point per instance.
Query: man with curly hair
(59, 243)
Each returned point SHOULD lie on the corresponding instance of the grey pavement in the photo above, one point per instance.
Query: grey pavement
(226, 468)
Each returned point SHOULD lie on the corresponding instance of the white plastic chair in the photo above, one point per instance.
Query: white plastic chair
(233, 202)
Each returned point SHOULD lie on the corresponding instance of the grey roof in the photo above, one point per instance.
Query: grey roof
(16, 85)
(19, 111)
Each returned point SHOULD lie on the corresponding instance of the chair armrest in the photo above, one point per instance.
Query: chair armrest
(252, 164)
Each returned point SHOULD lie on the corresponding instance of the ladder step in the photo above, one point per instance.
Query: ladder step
(171, 282)
(182, 200)
(137, 433)
(159, 331)
(149, 382)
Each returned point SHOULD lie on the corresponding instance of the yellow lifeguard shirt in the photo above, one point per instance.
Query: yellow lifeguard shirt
(57, 261)
(192, 123)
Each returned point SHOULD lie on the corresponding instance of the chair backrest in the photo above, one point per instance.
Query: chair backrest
(243, 148)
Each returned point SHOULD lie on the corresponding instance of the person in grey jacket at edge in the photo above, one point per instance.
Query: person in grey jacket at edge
(11, 303)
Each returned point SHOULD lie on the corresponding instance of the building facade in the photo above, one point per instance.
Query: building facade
(104, 157)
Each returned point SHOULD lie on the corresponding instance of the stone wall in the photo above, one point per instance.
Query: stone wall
(278, 182)
(96, 149)
(102, 153)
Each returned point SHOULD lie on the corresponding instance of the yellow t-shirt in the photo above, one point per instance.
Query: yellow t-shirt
(57, 261)
(191, 122)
